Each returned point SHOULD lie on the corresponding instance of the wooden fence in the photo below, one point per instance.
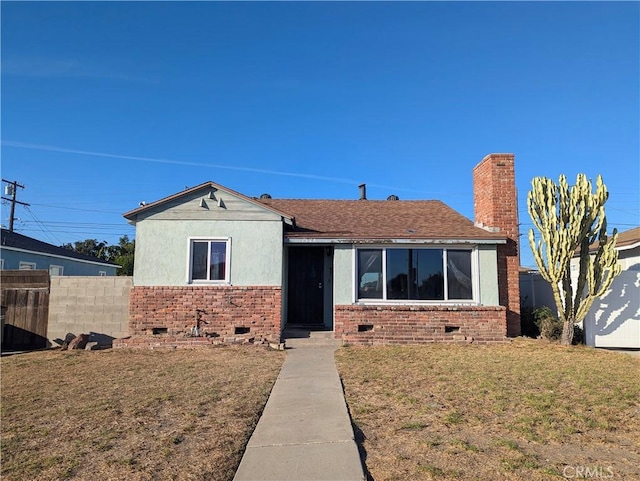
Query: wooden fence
(25, 309)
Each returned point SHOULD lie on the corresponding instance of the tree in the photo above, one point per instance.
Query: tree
(572, 221)
(121, 254)
(90, 247)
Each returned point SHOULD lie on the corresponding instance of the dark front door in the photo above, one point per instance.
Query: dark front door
(306, 286)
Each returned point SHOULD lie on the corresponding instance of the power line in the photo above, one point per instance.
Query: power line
(43, 228)
(12, 190)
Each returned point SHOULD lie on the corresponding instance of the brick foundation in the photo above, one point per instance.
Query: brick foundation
(420, 324)
(164, 316)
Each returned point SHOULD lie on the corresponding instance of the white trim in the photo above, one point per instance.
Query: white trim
(445, 274)
(1, 264)
(26, 266)
(385, 242)
(102, 273)
(415, 302)
(626, 248)
(227, 269)
(60, 270)
(17, 249)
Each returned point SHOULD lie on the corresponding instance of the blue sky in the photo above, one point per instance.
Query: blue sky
(106, 104)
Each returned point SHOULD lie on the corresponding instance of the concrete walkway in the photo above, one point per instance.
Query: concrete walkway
(305, 431)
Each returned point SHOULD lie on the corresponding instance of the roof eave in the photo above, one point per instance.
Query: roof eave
(354, 240)
(132, 215)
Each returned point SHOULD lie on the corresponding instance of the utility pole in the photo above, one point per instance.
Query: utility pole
(11, 189)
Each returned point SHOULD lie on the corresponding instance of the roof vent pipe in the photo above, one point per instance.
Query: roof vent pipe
(363, 191)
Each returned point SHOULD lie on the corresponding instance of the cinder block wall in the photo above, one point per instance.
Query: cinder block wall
(420, 324)
(98, 306)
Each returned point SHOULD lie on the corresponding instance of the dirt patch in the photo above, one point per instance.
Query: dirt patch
(132, 414)
(524, 410)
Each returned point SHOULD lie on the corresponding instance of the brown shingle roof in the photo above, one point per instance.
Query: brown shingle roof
(625, 239)
(372, 219)
(628, 237)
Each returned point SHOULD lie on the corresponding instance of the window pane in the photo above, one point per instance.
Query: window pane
(369, 274)
(218, 261)
(399, 269)
(55, 270)
(199, 260)
(429, 276)
(459, 274)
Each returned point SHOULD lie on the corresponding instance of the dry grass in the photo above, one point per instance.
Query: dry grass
(525, 410)
(134, 415)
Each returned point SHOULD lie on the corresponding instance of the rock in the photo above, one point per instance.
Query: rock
(91, 346)
(79, 342)
(67, 339)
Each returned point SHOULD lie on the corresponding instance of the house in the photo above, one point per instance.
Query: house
(535, 291)
(215, 262)
(18, 251)
(614, 319)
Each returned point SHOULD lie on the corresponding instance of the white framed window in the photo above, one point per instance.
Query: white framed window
(416, 274)
(209, 260)
(102, 273)
(26, 266)
(55, 270)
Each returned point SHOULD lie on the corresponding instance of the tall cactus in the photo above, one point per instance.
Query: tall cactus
(570, 220)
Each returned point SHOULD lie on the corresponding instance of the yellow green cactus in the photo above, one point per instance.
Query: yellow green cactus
(570, 220)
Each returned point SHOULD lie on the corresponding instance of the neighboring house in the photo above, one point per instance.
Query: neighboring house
(18, 251)
(535, 291)
(371, 271)
(614, 319)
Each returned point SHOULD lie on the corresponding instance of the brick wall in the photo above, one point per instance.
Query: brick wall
(165, 315)
(496, 208)
(98, 306)
(419, 324)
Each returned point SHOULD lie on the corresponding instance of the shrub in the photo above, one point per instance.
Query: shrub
(578, 334)
(528, 327)
(543, 322)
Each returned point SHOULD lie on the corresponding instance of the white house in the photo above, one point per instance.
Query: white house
(614, 320)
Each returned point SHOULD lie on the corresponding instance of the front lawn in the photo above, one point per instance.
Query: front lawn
(523, 410)
(132, 414)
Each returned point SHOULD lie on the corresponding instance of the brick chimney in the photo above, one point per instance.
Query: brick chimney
(496, 209)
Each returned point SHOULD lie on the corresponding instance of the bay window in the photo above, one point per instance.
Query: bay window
(420, 274)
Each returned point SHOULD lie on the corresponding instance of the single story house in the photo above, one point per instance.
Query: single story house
(216, 262)
(18, 251)
(614, 320)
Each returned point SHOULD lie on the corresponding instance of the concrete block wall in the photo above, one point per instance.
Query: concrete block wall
(91, 305)
(420, 324)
